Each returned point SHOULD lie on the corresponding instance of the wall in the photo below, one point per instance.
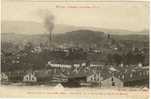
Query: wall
(108, 82)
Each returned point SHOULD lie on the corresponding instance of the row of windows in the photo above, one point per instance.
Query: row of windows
(131, 75)
(96, 77)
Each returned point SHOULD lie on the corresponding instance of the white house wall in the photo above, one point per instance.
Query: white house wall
(94, 78)
(29, 78)
(108, 82)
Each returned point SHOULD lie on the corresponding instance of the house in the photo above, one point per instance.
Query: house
(104, 79)
(96, 64)
(134, 76)
(94, 78)
(59, 65)
(3, 77)
(119, 77)
(98, 76)
(30, 77)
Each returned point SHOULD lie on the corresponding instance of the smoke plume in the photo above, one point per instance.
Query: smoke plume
(48, 20)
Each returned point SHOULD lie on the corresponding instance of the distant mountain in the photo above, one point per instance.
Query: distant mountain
(23, 38)
(83, 38)
(75, 37)
(23, 27)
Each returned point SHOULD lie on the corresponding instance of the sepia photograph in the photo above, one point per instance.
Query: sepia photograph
(75, 49)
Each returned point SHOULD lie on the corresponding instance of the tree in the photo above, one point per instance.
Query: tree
(117, 58)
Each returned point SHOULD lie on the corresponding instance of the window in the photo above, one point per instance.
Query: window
(91, 78)
(27, 78)
(112, 79)
(94, 75)
(32, 78)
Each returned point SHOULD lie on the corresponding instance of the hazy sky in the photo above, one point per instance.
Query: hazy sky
(130, 16)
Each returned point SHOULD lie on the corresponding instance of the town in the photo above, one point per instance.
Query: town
(113, 65)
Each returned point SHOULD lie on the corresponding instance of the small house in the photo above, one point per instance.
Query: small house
(3, 77)
(30, 77)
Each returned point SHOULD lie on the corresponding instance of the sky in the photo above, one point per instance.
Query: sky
(133, 16)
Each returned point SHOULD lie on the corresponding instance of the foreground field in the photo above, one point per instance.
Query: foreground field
(80, 93)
